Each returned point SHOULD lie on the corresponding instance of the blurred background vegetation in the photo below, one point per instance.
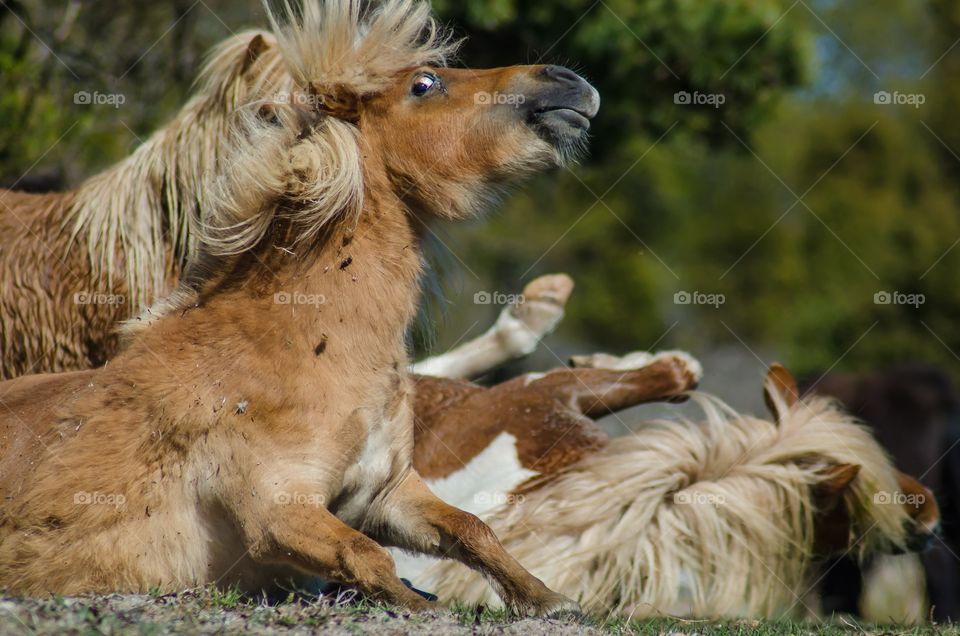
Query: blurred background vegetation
(797, 199)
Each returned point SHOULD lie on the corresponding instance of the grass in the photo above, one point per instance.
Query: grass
(209, 611)
(226, 599)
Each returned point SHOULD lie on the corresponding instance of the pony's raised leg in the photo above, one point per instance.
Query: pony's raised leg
(516, 333)
(416, 519)
(598, 392)
(313, 540)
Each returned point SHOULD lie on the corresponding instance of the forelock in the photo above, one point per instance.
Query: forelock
(357, 44)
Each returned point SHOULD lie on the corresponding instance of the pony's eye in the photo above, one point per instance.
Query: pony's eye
(422, 84)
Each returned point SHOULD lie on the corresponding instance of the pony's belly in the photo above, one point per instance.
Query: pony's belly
(163, 551)
(187, 547)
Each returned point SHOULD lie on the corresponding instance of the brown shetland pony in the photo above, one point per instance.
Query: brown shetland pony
(239, 439)
(74, 264)
(728, 518)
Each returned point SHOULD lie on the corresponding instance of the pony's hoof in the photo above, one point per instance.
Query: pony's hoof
(541, 307)
(554, 288)
(688, 369)
(556, 606)
(419, 605)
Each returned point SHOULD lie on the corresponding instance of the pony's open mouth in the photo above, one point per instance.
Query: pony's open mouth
(561, 126)
(572, 117)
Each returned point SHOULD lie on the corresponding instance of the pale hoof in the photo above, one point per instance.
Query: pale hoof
(558, 605)
(543, 301)
(688, 367)
(554, 288)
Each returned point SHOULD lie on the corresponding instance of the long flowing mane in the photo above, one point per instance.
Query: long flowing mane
(155, 205)
(708, 519)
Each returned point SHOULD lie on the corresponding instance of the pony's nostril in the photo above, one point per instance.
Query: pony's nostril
(561, 74)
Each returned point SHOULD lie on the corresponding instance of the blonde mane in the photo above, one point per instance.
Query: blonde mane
(143, 218)
(711, 519)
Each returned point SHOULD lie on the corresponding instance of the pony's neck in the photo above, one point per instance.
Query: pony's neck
(355, 290)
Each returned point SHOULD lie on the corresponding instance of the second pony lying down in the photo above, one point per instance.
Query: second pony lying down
(240, 440)
(725, 518)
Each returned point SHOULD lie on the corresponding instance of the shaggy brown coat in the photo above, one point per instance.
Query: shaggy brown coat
(239, 438)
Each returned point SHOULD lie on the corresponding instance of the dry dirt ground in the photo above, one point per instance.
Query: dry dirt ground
(215, 612)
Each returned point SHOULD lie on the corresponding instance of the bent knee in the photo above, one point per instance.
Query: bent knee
(471, 531)
(361, 555)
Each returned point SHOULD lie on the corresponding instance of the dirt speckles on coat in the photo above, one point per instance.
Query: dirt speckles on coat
(321, 347)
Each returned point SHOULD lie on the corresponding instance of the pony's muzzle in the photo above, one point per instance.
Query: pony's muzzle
(918, 537)
(559, 104)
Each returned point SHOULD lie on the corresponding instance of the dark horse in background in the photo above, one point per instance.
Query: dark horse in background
(914, 410)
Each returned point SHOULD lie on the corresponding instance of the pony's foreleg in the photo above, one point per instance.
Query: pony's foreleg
(598, 392)
(313, 540)
(517, 332)
(416, 519)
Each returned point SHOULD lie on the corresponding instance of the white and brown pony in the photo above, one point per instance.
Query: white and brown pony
(723, 518)
(238, 438)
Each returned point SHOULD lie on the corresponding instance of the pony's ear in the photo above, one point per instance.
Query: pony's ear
(921, 505)
(337, 100)
(837, 479)
(255, 48)
(303, 118)
(268, 113)
(782, 383)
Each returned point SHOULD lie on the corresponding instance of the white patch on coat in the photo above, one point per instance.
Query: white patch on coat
(532, 377)
(367, 477)
(634, 360)
(518, 338)
(640, 359)
(483, 485)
